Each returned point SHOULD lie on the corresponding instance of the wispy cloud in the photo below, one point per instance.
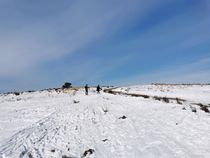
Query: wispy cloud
(105, 36)
(50, 38)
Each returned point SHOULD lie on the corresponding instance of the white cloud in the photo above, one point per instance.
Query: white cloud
(31, 38)
(24, 46)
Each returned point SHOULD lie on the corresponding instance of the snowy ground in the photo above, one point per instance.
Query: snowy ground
(193, 93)
(72, 125)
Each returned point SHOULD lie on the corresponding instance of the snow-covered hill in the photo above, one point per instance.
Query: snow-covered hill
(193, 93)
(56, 124)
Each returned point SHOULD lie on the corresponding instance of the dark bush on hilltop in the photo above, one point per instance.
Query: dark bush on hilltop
(67, 85)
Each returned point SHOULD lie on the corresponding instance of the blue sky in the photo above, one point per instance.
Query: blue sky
(109, 42)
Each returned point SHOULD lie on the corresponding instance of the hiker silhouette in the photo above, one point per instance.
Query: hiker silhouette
(98, 88)
(86, 89)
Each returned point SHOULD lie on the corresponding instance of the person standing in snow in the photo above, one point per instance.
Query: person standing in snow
(86, 89)
(98, 88)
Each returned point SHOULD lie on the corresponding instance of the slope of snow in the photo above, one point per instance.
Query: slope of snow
(50, 124)
(193, 93)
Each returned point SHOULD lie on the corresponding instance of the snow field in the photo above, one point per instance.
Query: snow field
(48, 124)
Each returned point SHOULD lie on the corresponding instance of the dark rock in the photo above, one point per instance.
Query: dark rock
(166, 100)
(123, 117)
(89, 151)
(30, 155)
(76, 101)
(105, 110)
(105, 140)
(194, 109)
(205, 108)
(157, 98)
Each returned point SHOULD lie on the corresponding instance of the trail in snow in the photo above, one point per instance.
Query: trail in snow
(101, 125)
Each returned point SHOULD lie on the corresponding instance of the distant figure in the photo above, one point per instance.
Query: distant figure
(98, 88)
(86, 89)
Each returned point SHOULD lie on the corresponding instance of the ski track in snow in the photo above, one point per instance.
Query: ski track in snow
(51, 125)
